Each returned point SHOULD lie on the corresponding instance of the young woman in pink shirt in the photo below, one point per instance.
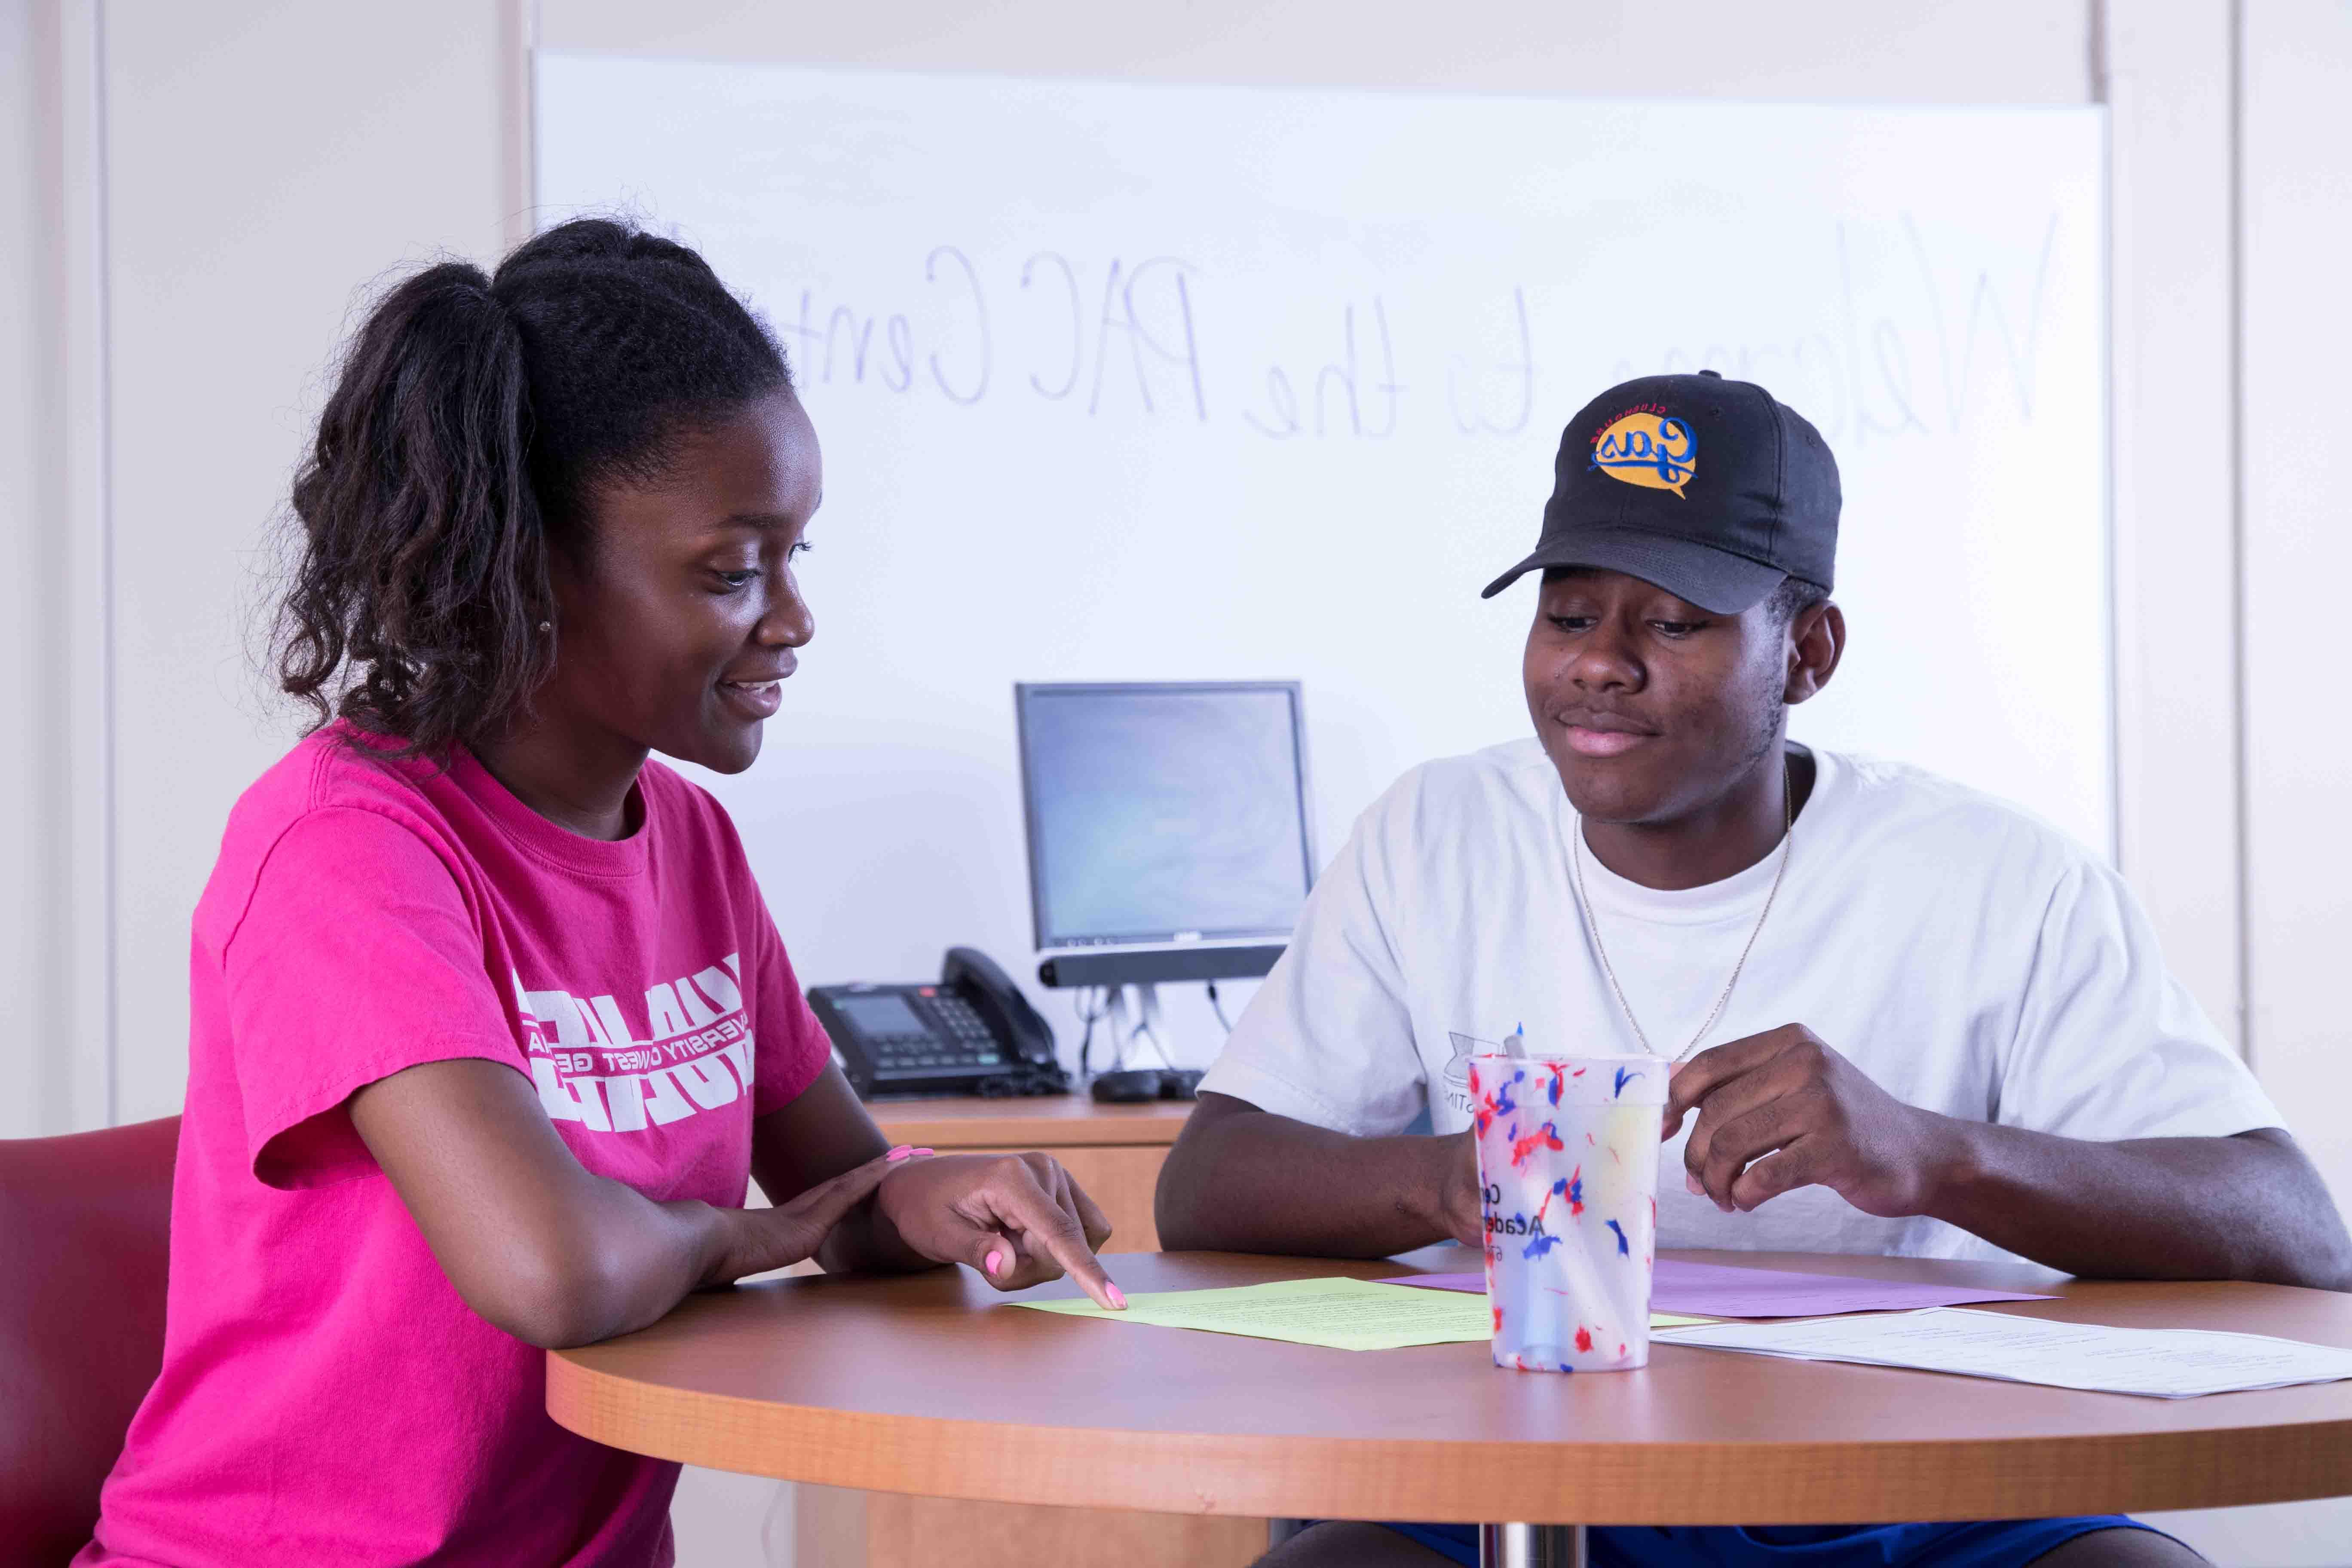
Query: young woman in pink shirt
(491, 1023)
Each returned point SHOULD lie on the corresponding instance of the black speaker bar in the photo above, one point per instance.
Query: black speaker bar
(1149, 965)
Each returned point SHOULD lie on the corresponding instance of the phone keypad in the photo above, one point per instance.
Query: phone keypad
(961, 1043)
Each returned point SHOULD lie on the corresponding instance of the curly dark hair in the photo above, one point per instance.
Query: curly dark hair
(472, 417)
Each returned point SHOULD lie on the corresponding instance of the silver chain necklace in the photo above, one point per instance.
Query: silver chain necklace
(1592, 924)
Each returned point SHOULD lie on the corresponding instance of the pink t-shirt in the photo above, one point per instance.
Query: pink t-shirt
(326, 1398)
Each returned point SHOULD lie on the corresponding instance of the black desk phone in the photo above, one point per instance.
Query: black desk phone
(970, 1033)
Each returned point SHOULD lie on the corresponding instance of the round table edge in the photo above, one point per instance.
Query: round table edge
(1534, 1481)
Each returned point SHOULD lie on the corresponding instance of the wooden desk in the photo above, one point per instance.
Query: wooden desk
(1115, 1153)
(929, 1384)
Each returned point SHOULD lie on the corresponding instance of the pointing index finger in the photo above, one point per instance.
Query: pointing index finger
(1059, 1233)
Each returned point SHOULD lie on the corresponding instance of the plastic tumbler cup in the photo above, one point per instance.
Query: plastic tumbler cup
(1568, 1165)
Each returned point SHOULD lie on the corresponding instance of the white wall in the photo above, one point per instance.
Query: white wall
(53, 474)
(24, 1112)
(2297, 466)
(261, 176)
(1838, 51)
(2171, 98)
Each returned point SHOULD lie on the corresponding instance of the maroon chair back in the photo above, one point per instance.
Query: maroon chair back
(85, 1222)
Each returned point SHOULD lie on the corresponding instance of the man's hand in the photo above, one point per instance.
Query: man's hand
(1017, 1219)
(1781, 1111)
(1460, 1200)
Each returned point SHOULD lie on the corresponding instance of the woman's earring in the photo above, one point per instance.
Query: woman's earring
(547, 626)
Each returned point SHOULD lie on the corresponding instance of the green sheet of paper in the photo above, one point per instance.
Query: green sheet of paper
(1338, 1313)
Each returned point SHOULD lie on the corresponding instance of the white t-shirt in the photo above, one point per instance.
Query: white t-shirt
(1969, 958)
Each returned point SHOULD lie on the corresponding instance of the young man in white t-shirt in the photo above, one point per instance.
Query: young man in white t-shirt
(1915, 1019)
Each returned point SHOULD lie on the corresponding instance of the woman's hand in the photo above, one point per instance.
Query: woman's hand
(792, 1231)
(1017, 1219)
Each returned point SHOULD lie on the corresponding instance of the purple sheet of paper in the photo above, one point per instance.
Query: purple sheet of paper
(1727, 1290)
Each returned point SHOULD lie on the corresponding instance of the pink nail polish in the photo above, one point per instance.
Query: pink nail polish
(922, 1151)
(994, 1261)
(1118, 1297)
(898, 1154)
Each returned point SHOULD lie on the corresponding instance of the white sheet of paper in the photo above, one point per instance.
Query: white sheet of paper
(2163, 1364)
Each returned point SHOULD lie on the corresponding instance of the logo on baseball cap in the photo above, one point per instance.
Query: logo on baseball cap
(1707, 487)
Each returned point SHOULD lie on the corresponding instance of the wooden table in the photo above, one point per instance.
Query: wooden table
(928, 1384)
(1115, 1153)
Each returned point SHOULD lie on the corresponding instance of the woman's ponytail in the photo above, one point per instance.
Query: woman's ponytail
(425, 560)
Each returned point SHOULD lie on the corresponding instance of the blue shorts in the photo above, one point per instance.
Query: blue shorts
(1995, 1543)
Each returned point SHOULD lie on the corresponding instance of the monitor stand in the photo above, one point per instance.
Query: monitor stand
(1123, 1082)
(1147, 1025)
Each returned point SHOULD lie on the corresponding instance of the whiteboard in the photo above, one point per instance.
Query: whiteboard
(1122, 382)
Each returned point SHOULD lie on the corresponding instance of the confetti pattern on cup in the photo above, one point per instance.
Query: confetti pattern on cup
(1567, 1167)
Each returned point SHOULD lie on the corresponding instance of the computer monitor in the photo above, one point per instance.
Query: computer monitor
(1168, 827)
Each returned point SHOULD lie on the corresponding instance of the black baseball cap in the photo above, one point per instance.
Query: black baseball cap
(1707, 487)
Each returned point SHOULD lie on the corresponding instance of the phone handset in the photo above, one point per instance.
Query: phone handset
(975, 976)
